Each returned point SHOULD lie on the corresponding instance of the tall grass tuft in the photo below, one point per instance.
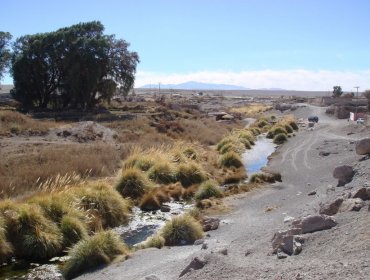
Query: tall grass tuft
(162, 172)
(101, 202)
(230, 159)
(208, 189)
(73, 230)
(31, 233)
(280, 138)
(182, 230)
(189, 174)
(155, 241)
(52, 205)
(133, 183)
(99, 249)
(6, 249)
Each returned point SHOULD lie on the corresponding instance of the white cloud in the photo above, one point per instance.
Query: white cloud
(299, 79)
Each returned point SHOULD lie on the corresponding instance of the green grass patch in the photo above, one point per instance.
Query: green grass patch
(208, 189)
(230, 159)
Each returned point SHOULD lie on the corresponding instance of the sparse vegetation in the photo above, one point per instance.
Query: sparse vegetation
(182, 230)
(208, 189)
(99, 249)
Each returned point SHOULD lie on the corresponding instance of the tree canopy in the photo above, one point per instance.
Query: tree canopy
(337, 91)
(5, 54)
(73, 67)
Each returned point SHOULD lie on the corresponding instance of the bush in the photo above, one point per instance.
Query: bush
(236, 176)
(190, 153)
(155, 241)
(189, 174)
(265, 177)
(255, 131)
(73, 230)
(230, 159)
(246, 143)
(208, 189)
(143, 162)
(261, 123)
(248, 136)
(276, 130)
(6, 249)
(280, 138)
(31, 233)
(195, 213)
(99, 249)
(294, 125)
(52, 205)
(181, 230)
(162, 172)
(133, 183)
(288, 128)
(150, 202)
(223, 142)
(102, 202)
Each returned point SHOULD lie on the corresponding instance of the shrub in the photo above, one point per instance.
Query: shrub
(162, 172)
(229, 147)
(247, 135)
(195, 213)
(246, 143)
(31, 233)
(150, 202)
(190, 153)
(52, 205)
(236, 176)
(99, 249)
(223, 142)
(276, 130)
(294, 125)
(265, 177)
(255, 131)
(208, 189)
(6, 249)
(143, 162)
(280, 138)
(102, 202)
(155, 241)
(288, 128)
(181, 230)
(261, 123)
(189, 174)
(230, 159)
(73, 230)
(133, 183)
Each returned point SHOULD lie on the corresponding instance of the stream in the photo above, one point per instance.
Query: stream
(142, 225)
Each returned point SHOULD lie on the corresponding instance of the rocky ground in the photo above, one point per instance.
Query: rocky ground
(241, 247)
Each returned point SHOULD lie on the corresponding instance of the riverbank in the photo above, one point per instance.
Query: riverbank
(246, 232)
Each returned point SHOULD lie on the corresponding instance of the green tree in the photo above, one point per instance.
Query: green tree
(76, 67)
(5, 54)
(337, 91)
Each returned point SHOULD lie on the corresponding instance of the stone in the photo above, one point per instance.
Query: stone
(281, 255)
(165, 208)
(195, 264)
(287, 244)
(324, 154)
(204, 246)
(199, 241)
(223, 252)
(352, 204)
(363, 193)
(363, 146)
(297, 247)
(279, 238)
(312, 193)
(331, 208)
(151, 277)
(344, 174)
(210, 224)
(314, 223)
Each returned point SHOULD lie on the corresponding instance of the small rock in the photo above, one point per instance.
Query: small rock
(331, 208)
(195, 264)
(288, 219)
(297, 247)
(199, 241)
(248, 253)
(210, 224)
(223, 252)
(324, 154)
(344, 174)
(363, 146)
(363, 193)
(204, 246)
(165, 208)
(281, 255)
(312, 193)
(281, 237)
(352, 204)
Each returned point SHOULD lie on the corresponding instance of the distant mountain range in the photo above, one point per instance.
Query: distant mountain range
(197, 86)
(204, 86)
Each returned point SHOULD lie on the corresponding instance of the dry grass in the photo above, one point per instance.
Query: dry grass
(12, 122)
(252, 110)
(30, 168)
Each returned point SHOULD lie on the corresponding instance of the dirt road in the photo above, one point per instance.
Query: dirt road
(339, 253)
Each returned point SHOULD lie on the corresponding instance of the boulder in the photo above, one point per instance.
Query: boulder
(344, 174)
(363, 193)
(363, 146)
(331, 208)
(210, 224)
(314, 223)
(352, 204)
(280, 237)
(195, 264)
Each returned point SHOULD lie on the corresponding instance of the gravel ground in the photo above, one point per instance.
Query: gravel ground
(342, 252)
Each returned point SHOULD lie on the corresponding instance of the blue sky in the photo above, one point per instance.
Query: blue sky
(293, 44)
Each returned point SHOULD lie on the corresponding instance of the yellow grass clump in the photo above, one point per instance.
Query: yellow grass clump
(133, 183)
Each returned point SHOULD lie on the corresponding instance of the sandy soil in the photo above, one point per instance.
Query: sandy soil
(339, 253)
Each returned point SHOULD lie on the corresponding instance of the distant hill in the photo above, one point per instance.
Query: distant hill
(198, 86)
